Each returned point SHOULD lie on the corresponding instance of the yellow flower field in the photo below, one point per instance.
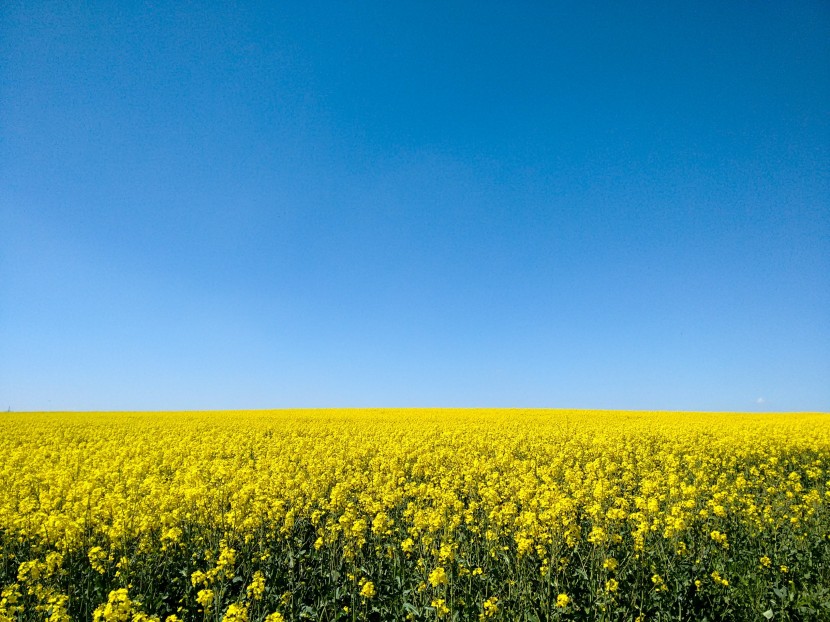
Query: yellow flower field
(414, 515)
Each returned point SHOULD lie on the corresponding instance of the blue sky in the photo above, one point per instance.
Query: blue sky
(310, 204)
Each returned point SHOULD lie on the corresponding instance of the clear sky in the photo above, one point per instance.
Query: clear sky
(302, 204)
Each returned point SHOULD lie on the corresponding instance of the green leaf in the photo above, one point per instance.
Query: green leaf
(768, 614)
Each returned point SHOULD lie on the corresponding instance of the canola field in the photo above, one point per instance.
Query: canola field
(388, 515)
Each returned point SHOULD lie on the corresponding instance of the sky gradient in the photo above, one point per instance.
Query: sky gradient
(276, 205)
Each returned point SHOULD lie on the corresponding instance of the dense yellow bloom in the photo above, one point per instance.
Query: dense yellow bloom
(55, 608)
(236, 613)
(227, 559)
(438, 577)
(490, 607)
(205, 598)
(257, 587)
(440, 606)
(368, 590)
(120, 608)
(97, 556)
(720, 538)
(457, 502)
(11, 601)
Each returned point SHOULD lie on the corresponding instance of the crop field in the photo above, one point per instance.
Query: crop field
(385, 515)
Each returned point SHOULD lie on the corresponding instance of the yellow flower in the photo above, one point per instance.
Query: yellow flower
(597, 535)
(97, 556)
(227, 559)
(368, 590)
(205, 598)
(236, 613)
(440, 606)
(277, 617)
(438, 577)
(257, 587)
(610, 564)
(718, 579)
(490, 607)
(611, 585)
(766, 562)
(562, 601)
(29, 571)
(720, 538)
(11, 601)
(118, 608)
(659, 584)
